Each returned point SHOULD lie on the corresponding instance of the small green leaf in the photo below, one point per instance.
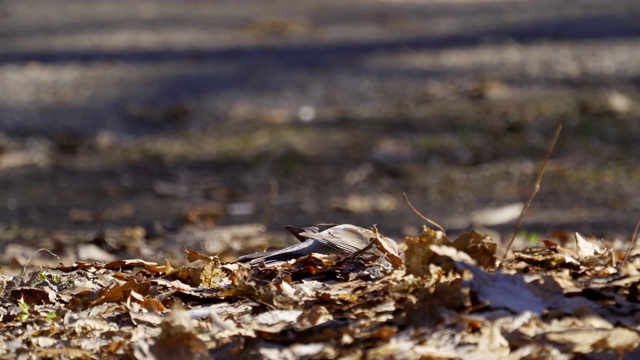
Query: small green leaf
(23, 317)
(51, 316)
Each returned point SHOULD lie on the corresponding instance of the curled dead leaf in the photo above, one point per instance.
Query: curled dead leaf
(480, 247)
(419, 254)
(389, 248)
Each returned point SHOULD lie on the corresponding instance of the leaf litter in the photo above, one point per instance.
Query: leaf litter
(444, 300)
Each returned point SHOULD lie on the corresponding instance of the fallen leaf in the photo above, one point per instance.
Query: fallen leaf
(419, 254)
(586, 248)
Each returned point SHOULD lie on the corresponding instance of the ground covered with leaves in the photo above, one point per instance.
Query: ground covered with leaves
(449, 299)
(135, 132)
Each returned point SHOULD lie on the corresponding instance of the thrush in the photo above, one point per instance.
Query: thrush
(327, 239)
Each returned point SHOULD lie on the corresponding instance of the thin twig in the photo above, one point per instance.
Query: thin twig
(632, 243)
(536, 188)
(24, 267)
(406, 198)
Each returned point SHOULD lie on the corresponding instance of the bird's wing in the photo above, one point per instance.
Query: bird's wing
(297, 231)
(343, 238)
(291, 252)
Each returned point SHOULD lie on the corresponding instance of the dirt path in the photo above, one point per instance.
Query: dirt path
(302, 112)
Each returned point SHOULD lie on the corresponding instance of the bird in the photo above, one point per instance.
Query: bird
(344, 239)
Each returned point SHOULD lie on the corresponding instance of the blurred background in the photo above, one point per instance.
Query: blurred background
(136, 128)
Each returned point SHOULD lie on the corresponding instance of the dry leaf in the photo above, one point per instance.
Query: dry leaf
(419, 254)
(586, 248)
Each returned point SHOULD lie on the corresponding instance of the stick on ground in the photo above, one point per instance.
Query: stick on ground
(536, 188)
(406, 198)
(632, 243)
